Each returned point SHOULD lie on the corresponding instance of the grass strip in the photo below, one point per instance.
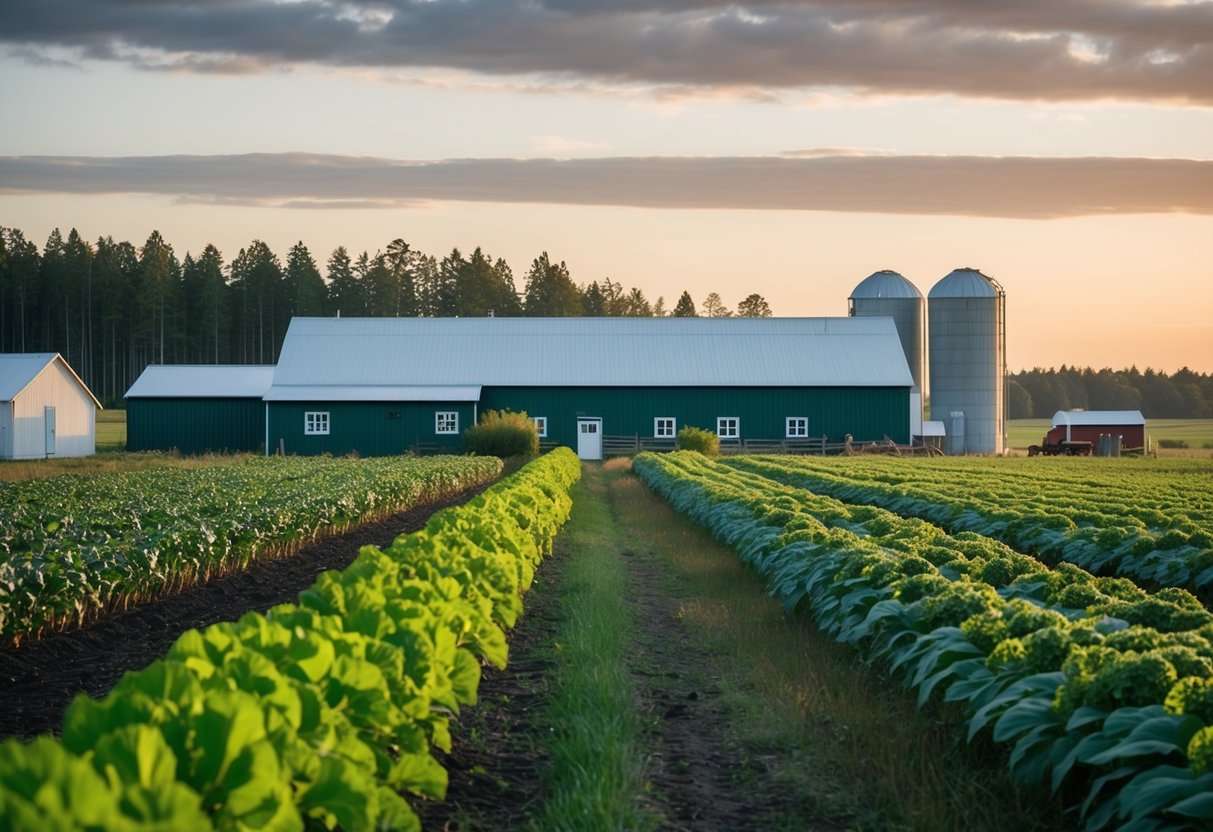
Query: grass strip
(597, 768)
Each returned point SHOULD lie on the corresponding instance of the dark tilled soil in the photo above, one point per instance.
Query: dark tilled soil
(39, 680)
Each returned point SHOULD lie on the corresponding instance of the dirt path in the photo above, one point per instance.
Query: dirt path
(39, 680)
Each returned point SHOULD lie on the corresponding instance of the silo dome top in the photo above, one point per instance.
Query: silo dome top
(966, 283)
(885, 284)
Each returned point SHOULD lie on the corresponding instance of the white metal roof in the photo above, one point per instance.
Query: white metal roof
(594, 352)
(933, 428)
(18, 369)
(372, 393)
(966, 283)
(1098, 417)
(202, 381)
(885, 284)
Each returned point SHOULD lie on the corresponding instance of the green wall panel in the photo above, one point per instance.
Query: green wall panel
(867, 413)
(195, 426)
(370, 428)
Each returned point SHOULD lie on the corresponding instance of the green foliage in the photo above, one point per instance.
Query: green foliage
(73, 546)
(316, 714)
(1058, 662)
(504, 434)
(697, 439)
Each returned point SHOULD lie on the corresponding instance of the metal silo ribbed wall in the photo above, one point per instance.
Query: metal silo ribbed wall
(909, 315)
(967, 366)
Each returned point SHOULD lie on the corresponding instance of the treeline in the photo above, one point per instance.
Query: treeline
(1041, 393)
(111, 308)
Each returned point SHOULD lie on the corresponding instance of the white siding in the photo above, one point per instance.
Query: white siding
(75, 416)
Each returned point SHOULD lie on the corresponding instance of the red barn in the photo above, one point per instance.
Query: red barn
(1089, 425)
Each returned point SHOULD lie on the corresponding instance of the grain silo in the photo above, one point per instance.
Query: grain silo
(967, 346)
(887, 294)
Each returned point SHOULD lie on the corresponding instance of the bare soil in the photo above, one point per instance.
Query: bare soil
(38, 680)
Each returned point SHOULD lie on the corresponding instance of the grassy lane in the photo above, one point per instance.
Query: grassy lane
(801, 735)
(595, 773)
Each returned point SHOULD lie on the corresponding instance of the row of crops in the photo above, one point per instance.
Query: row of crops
(74, 546)
(1102, 689)
(318, 714)
(1153, 524)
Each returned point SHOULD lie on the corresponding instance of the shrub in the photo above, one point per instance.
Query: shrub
(503, 433)
(698, 439)
(1172, 443)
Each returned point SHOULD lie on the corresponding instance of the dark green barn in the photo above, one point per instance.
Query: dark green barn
(197, 409)
(385, 385)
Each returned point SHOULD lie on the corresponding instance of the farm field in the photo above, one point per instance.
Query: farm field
(1197, 433)
(1071, 672)
(663, 679)
(75, 547)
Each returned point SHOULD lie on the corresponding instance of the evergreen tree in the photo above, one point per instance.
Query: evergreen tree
(550, 291)
(346, 295)
(685, 308)
(398, 259)
(306, 294)
(635, 305)
(260, 308)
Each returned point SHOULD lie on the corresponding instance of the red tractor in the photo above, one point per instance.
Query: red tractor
(1056, 444)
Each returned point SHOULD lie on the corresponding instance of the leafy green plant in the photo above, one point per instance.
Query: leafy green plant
(74, 547)
(504, 434)
(317, 714)
(698, 439)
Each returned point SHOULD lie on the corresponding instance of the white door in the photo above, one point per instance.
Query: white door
(589, 438)
(50, 430)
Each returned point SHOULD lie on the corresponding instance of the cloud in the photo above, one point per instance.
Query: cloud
(1030, 49)
(1021, 187)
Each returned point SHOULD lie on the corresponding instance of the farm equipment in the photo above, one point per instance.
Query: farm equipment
(1055, 443)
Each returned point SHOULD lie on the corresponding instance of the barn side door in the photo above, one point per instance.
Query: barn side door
(589, 438)
(49, 414)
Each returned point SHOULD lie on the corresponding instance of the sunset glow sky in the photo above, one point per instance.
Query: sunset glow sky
(785, 148)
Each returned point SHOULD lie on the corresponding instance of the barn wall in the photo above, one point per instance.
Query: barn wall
(867, 413)
(75, 416)
(195, 426)
(368, 428)
(1133, 436)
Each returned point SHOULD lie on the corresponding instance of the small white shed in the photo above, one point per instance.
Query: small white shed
(45, 409)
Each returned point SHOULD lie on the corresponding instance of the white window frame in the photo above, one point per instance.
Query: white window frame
(541, 426)
(796, 427)
(670, 430)
(725, 430)
(446, 422)
(316, 423)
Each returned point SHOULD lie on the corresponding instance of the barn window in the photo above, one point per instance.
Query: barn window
(797, 427)
(541, 425)
(665, 427)
(316, 423)
(446, 421)
(728, 427)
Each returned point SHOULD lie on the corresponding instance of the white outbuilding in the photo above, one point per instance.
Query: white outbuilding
(45, 409)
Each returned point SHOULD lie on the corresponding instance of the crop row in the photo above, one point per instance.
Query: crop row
(1099, 686)
(1155, 527)
(72, 547)
(318, 714)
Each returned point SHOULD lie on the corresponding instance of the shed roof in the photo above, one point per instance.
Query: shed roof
(1098, 417)
(18, 370)
(593, 352)
(202, 381)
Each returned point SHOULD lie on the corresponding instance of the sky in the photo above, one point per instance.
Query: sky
(791, 148)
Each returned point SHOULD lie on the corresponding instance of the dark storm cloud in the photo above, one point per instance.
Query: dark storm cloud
(1030, 49)
(975, 186)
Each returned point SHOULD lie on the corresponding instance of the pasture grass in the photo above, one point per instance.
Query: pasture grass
(111, 430)
(596, 773)
(844, 740)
